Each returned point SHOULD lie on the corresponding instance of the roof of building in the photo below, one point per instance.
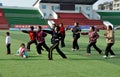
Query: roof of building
(88, 2)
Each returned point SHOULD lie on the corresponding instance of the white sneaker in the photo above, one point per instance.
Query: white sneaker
(112, 56)
(105, 57)
(73, 49)
(24, 56)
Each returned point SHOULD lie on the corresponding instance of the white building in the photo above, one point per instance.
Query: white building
(106, 6)
(113, 5)
(49, 7)
(116, 4)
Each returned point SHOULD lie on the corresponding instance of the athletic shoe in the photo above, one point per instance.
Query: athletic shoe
(105, 57)
(112, 56)
(73, 49)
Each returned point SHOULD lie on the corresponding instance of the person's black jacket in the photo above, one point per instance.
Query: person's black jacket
(76, 31)
(56, 36)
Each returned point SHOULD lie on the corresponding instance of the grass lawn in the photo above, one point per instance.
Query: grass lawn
(77, 64)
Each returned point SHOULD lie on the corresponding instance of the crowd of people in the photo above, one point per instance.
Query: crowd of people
(58, 36)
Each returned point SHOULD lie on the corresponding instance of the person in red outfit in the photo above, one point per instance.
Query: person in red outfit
(40, 36)
(62, 31)
(32, 36)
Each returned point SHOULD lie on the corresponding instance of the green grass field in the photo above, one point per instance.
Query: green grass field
(76, 65)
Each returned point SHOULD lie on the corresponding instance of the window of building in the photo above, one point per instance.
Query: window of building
(57, 8)
(117, 5)
(45, 14)
(43, 6)
(88, 8)
(52, 7)
(88, 15)
(114, 5)
(0, 4)
(76, 8)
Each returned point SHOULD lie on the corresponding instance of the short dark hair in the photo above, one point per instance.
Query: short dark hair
(58, 28)
(22, 44)
(93, 28)
(31, 27)
(77, 23)
(61, 24)
(110, 27)
(7, 33)
(39, 27)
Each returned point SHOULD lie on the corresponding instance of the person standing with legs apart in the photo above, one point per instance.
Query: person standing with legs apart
(93, 36)
(109, 35)
(40, 36)
(76, 35)
(8, 42)
(62, 31)
(32, 36)
(56, 37)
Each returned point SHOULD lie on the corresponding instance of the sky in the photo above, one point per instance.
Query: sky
(29, 3)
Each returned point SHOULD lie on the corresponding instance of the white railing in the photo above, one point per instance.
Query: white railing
(96, 15)
(55, 16)
(37, 7)
(41, 12)
(107, 23)
(63, 11)
(84, 13)
(50, 23)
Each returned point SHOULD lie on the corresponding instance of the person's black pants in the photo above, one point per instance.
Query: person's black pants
(39, 47)
(62, 41)
(108, 49)
(75, 43)
(31, 42)
(8, 49)
(94, 45)
(55, 46)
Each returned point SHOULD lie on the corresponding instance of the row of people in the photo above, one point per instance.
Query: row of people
(38, 38)
(58, 34)
(93, 36)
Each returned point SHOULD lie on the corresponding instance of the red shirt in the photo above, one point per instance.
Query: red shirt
(32, 35)
(40, 37)
(62, 30)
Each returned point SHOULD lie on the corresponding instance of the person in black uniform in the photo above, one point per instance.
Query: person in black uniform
(56, 37)
(76, 35)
